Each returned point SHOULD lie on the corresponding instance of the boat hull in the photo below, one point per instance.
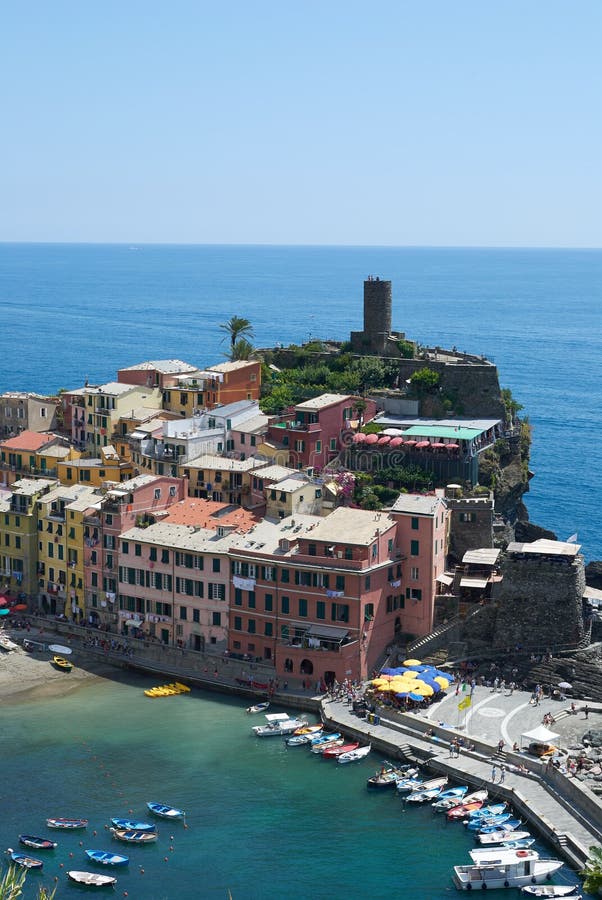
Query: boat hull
(104, 858)
(68, 824)
(134, 837)
(25, 861)
(129, 825)
(92, 879)
(165, 812)
(36, 843)
(468, 878)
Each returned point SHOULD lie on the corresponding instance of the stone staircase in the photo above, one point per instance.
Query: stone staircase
(584, 677)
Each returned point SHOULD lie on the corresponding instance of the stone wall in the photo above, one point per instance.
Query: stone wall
(471, 525)
(475, 385)
(539, 602)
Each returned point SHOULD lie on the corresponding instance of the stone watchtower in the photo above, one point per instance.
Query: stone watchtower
(377, 334)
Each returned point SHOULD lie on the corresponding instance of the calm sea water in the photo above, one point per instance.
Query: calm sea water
(263, 821)
(71, 312)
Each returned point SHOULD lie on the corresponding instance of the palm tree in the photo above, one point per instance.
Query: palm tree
(13, 882)
(593, 871)
(237, 327)
(241, 349)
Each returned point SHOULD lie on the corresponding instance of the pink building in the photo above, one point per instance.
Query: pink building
(422, 528)
(314, 431)
(128, 503)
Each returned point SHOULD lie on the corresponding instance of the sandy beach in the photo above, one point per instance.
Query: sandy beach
(28, 676)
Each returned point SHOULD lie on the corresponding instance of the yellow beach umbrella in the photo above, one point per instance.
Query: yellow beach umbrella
(388, 688)
(412, 662)
(442, 681)
(410, 675)
(420, 687)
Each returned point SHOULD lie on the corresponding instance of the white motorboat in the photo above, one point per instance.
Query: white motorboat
(354, 755)
(420, 796)
(278, 724)
(501, 837)
(503, 869)
(552, 890)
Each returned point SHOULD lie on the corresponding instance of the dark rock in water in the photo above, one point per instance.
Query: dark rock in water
(593, 574)
(526, 532)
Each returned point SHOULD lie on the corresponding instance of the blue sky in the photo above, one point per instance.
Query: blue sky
(267, 121)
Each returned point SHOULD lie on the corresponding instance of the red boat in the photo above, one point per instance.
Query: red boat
(332, 752)
(458, 812)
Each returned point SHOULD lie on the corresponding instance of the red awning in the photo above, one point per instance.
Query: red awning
(19, 607)
(452, 446)
(396, 442)
(3, 601)
(422, 445)
(438, 446)
(411, 443)
(371, 438)
(359, 438)
(384, 440)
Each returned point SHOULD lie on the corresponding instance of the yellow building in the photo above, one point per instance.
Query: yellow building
(61, 548)
(107, 404)
(95, 472)
(218, 478)
(19, 537)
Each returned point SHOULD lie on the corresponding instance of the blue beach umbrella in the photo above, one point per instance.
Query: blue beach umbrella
(417, 697)
(4, 612)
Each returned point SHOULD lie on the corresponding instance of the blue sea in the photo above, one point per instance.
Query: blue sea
(71, 312)
(263, 821)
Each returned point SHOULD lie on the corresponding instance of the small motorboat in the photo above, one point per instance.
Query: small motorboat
(134, 837)
(485, 812)
(451, 796)
(106, 858)
(324, 737)
(552, 890)
(420, 796)
(481, 824)
(461, 811)
(388, 778)
(36, 843)
(520, 844)
(132, 825)
(278, 724)
(327, 745)
(508, 825)
(504, 868)
(61, 663)
(21, 859)
(412, 783)
(70, 824)
(501, 837)
(92, 879)
(307, 729)
(354, 755)
(332, 752)
(298, 740)
(258, 708)
(166, 812)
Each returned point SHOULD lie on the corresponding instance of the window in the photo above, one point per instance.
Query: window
(413, 594)
(414, 573)
(251, 626)
(374, 551)
(302, 608)
(237, 597)
(390, 545)
(284, 605)
(164, 556)
(299, 446)
(348, 554)
(333, 443)
(251, 599)
(216, 618)
(137, 550)
(320, 609)
(368, 612)
(125, 547)
(172, 491)
(415, 523)
(414, 548)
(217, 591)
(216, 565)
(340, 612)
(108, 519)
(17, 542)
(196, 616)
(237, 623)
(318, 446)
(183, 613)
(153, 554)
(285, 576)
(367, 583)
(311, 549)
(268, 603)
(340, 583)
(157, 493)
(253, 440)
(268, 629)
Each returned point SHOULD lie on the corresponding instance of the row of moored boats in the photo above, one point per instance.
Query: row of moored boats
(505, 857)
(298, 732)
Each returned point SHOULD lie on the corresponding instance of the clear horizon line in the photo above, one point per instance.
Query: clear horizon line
(137, 244)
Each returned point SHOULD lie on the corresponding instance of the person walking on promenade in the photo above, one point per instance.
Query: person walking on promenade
(502, 685)
(511, 687)
(586, 711)
(493, 772)
(495, 684)
(502, 773)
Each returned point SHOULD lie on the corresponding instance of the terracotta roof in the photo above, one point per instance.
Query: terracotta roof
(28, 440)
(210, 514)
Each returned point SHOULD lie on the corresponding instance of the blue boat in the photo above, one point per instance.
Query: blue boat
(485, 812)
(509, 825)
(324, 737)
(21, 859)
(481, 824)
(132, 825)
(105, 858)
(521, 844)
(37, 843)
(166, 812)
(298, 740)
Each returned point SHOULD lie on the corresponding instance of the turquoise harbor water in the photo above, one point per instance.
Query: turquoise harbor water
(71, 312)
(263, 821)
